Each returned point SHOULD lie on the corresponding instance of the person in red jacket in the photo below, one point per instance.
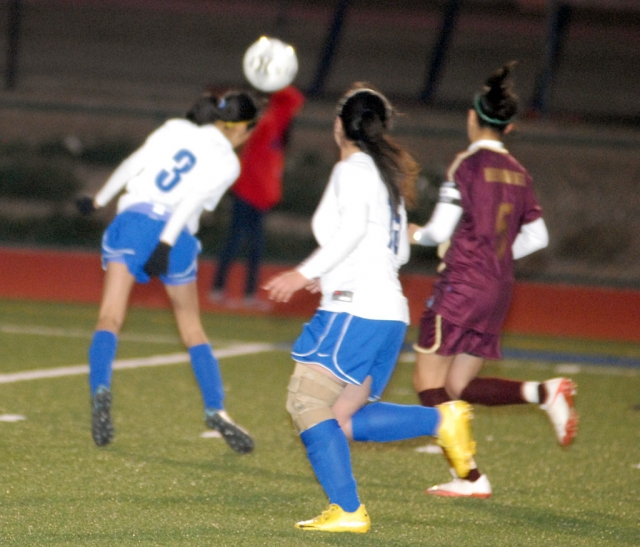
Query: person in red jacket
(257, 190)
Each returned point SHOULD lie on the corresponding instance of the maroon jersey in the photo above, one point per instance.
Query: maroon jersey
(474, 290)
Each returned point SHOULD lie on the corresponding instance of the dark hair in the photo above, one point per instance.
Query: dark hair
(366, 116)
(233, 106)
(497, 104)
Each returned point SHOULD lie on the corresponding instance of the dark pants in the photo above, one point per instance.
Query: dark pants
(246, 223)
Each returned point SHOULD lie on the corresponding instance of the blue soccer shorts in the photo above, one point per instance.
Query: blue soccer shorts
(133, 235)
(351, 347)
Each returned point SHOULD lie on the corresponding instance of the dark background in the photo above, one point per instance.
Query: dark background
(85, 81)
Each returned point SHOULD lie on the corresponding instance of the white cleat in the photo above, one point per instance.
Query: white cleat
(460, 488)
(559, 407)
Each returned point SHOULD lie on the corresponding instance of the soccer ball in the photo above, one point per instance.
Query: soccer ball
(270, 64)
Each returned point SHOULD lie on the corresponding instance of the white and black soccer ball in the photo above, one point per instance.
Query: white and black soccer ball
(270, 65)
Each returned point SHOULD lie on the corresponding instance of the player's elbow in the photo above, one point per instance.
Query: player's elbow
(438, 233)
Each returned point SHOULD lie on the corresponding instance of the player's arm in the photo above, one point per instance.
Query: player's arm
(353, 227)
(532, 237)
(158, 261)
(115, 183)
(443, 221)
(128, 169)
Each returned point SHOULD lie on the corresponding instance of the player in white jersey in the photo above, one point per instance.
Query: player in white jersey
(182, 169)
(347, 352)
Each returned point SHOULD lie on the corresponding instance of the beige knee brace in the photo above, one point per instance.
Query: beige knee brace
(311, 396)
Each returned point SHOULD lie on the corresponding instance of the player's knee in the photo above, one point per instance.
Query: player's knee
(454, 387)
(311, 397)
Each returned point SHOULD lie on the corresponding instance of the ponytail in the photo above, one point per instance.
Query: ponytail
(366, 117)
(497, 104)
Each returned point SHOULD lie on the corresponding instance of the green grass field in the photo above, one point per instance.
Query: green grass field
(161, 483)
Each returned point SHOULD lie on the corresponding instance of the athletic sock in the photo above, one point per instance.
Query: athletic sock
(473, 475)
(531, 392)
(385, 422)
(433, 397)
(329, 455)
(493, 392)
(102, 353)
(207, 373)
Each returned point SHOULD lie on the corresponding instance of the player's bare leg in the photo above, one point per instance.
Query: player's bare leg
(429, 377)
(352, 399)
(462, 370)
(118, 283)
(184, 300)
(186, 308)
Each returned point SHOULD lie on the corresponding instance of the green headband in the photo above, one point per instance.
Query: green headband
(478, 108)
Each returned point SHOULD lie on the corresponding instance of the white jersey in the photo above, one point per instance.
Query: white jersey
(182, 169)
(361, 244)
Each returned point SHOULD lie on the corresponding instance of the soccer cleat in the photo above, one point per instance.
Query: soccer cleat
(454, 435)
(101, 424)
(461, 488)
(236, 437)
(335, 519)
(559, 407)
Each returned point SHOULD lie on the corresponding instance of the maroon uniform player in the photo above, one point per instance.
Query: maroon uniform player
(489, 214)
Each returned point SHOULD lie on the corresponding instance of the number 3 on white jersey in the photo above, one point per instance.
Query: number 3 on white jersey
(184, 162)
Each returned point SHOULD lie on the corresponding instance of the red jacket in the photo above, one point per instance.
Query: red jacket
(262, 156)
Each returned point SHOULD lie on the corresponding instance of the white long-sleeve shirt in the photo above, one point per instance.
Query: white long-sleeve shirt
(361, 245)
(182, 169)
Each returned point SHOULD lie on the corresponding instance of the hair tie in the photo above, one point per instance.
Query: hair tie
(388, 109)
(477, 105)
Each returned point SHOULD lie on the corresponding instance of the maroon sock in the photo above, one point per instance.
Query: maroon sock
(493, 392)
(473, 475)
(433, 397)
(542, 392)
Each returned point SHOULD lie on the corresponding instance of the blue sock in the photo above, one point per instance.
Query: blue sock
(329, 455)
(102, 353)
(207, 372)
(384, 422)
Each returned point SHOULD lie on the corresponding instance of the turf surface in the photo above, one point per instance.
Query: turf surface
(161, 483)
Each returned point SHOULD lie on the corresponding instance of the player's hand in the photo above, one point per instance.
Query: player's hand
(314, 286)
(412, 229)
(281, 287)
(158, 262)
(85, 205)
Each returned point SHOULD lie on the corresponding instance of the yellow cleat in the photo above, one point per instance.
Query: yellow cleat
(335, 519)
(454, 435)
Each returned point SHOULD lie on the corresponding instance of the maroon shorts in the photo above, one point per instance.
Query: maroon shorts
(437, 335)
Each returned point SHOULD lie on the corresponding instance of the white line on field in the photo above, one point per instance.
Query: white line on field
(154, 361)
(76, 333)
